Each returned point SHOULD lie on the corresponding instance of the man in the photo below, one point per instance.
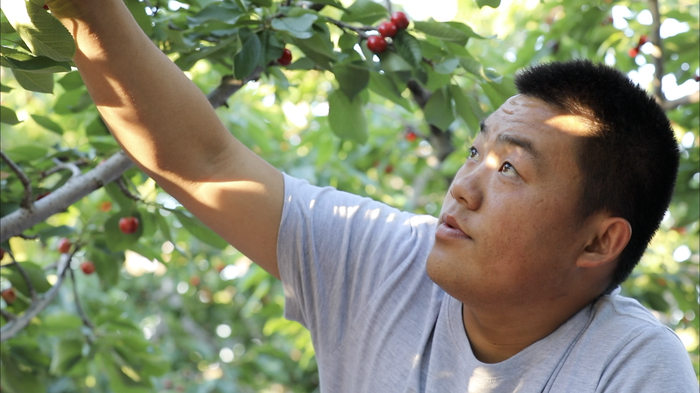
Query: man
(511, 289)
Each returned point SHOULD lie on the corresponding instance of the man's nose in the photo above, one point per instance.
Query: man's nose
(466, 187)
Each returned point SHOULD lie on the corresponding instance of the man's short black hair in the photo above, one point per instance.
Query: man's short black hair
(629, 162)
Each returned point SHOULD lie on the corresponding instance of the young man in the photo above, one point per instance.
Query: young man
(511, 289)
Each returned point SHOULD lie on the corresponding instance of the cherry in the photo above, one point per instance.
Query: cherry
(696, 78)
(400, 20)
(64, 245)
(376, 44)
(87, 267)
(411, 136)
(194, 281)
(106, 206)
(128, 224)
(643, 40)
(286, 58)
(387, 29)
(633, 52)
(46, 7)
(389, 169)
(9, 295)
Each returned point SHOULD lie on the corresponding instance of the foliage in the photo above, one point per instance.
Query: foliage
(172, 307)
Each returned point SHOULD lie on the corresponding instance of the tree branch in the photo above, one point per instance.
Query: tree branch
(657, 53)
(685, 100)
(27, 200)
(75, 188)
(439, 139)
(230, 85)
(361, 31)
(25, 276)
(14, 326)
(81, 312)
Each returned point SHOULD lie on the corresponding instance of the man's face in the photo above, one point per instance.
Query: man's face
(508, 231)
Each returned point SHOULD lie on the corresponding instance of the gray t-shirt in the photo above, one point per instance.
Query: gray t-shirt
(353, 271)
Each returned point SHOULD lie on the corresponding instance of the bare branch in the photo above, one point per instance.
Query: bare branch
(25, 276)
(72, 166)
(8, 315)
(125, 190)
(361, 30)
(685, 100)
(76, 188)
(657, 53)
(229, 85)
(86, 321)
(13, 327)
(27, 201)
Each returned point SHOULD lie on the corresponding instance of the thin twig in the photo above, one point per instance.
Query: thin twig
(15, 326)
(388, 6)
(81, 312)
(25, 276)
(125, 190)
(359, 30)
(657, 52)
(8, 315)
(27, 201)
(72, 166)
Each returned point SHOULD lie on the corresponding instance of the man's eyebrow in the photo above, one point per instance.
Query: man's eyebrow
(482, 127)
(515, 140)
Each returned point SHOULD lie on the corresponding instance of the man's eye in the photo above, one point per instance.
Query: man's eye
(508, 169)
(473, 153)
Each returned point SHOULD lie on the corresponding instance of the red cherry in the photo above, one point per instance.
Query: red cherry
(64, 245)
(128, 224)
(376, 44)
(696, 78)
(633, 52)
(87, 267)
(400, 20)
(643, 40)
(106, 206)
(9, 295)
(46, 7)
(411, 136)
(389, 169)
(387, 29)
(286, 58)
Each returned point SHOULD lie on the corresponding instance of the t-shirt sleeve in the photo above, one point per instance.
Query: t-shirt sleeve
(335, 250)
(654, 361)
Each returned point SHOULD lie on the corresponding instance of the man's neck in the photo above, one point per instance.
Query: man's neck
(497, 337)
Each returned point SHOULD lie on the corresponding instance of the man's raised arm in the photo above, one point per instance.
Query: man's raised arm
(170, 130)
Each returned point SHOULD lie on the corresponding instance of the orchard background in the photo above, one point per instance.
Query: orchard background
(171, 306)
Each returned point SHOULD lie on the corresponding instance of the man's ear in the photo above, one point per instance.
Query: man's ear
(610, 236)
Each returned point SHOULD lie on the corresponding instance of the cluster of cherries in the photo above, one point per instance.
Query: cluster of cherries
(386, 29)
(633, 52)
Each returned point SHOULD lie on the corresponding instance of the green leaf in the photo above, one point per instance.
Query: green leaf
(332, 3)
(72, 102)
(48, 124)
(490, 3)
(24, 153)
(465, 107)
(8, 116)
(299, 27)
(18, 379)
(245, 61)
(347, 117)
(364, 11)
(107, 263)
(317, 49)
(40, 64)
(217, 11)
(138, 10)
(352, 78)
(438, 110)
(442, 31)
(42, 33)
(122, 378)
(33, 81)
(199, 230)
(117, 240)
(5, 89)
(36, 276)
(59, 231)
(385, 87)
(71, 81)
(124, 203)
(446, 67)
(408, 47)
(262, 3)
(390, 61)
(61, 322)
